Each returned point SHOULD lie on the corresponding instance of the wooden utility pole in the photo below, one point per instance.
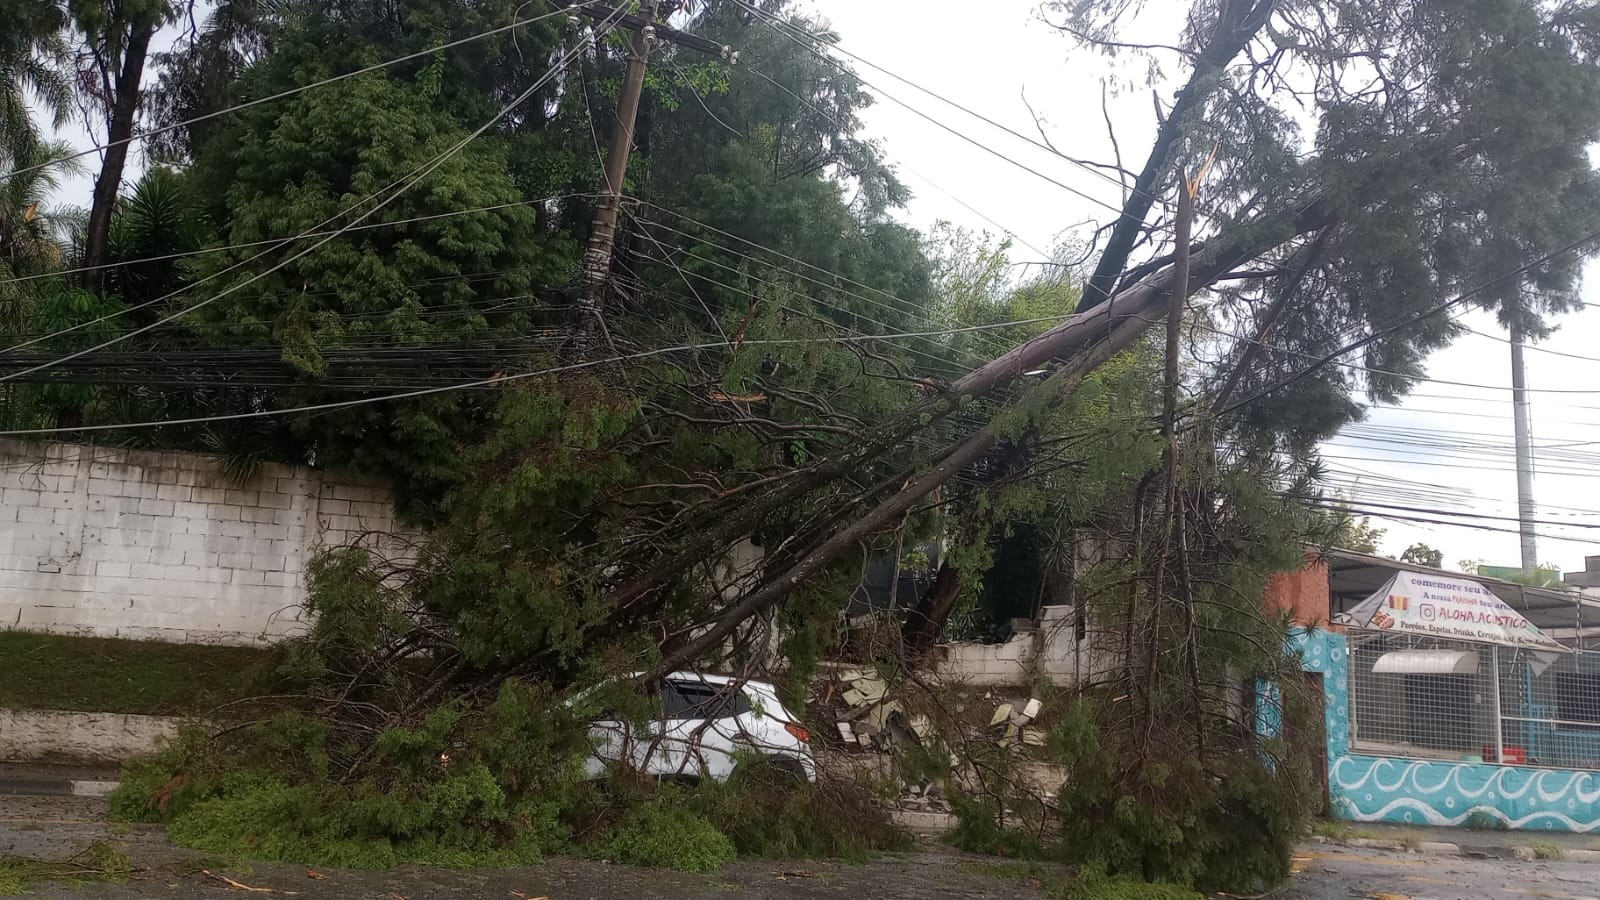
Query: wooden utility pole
(647, 32)
(603, 231)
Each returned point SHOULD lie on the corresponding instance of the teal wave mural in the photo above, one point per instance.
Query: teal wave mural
(1436, 792)
(1426, 792)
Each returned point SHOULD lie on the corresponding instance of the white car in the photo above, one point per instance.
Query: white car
(709, 725)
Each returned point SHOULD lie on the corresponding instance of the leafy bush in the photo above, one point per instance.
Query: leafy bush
(162, 784)
(766, 811)
(668, 836)
(978, 830)
(456, 789)
(1092, 883)
(1226, 821)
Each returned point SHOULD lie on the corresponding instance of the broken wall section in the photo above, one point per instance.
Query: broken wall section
(1059, 648)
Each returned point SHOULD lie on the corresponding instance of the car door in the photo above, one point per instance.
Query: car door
(701, 729)
(615, 740)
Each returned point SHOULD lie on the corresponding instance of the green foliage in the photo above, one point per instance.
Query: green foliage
(1545, 575)
(1423, 555)
(1482, 820)
(1092, 883)
(484, 789)
(978, 830)
(98, 863)
(1546, 850)
(768, 811)
(668, 837)
(1352, 532)
(1227, 822)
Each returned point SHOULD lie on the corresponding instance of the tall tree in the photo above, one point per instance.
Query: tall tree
(34, 61)
(113, 40)
(1445, 168)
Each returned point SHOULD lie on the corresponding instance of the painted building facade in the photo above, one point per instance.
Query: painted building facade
(1447, 732)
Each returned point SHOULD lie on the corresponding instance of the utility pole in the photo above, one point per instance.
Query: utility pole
(603, 231)
(1524, 440)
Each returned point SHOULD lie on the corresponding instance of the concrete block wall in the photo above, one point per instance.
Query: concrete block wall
(138, 544)
(1054, 650)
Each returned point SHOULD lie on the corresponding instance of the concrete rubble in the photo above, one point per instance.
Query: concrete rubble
(873, 722)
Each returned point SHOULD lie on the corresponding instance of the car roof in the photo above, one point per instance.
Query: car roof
(720, 680)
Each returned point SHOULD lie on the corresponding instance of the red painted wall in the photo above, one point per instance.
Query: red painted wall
(1304, 593)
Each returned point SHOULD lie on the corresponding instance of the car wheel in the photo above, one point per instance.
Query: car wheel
(771, 771)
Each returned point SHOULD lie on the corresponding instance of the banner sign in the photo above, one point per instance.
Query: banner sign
(1451, 608)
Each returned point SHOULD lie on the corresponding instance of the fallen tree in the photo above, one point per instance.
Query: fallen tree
(596, 536)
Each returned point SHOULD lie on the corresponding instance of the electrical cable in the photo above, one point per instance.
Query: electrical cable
(1419, 317)
(930, 182)
(499, 379)
(292, 91)
(280, 241)
(415, 176)
(791, 31)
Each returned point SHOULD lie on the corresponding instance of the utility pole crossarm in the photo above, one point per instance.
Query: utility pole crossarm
(663, 32)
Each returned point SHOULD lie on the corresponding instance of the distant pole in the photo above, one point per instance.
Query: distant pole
(602, 232)
(1523, 431)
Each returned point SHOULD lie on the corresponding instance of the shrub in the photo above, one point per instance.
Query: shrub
(1092, 883)
(978, 830)
(767, 811)
(456, 789)
(666, 835)
(1228, 821)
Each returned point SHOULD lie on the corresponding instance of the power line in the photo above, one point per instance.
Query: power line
(292, 91)
(1370, 504)
(907, 307)
(415, 176)
(1355, 367)
(1398, 517)
(910, 313)
(931, 183)
(500, 379)
(1425, 314)
(791, 32)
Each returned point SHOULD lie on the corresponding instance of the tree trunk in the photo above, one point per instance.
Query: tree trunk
(1119, 325)
(124, 107)
(1236, 27)
(926, 622)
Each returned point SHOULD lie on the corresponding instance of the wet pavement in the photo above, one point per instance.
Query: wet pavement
(1342, 873)
(57, 827)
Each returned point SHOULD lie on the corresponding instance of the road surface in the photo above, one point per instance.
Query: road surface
(1336, 873)
(54, 828)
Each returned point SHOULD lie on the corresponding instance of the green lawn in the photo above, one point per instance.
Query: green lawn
(43, 671)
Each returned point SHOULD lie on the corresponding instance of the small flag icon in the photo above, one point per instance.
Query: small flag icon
(1398, 602)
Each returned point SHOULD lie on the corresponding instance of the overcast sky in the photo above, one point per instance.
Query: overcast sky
(1458, 455)
(988, 56)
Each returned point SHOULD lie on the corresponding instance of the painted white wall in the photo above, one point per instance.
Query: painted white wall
(136, 544)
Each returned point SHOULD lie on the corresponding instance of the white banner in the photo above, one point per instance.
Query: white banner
(1452, 608)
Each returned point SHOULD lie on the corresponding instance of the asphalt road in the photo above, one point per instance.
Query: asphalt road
(1337, 873)
(54, 828)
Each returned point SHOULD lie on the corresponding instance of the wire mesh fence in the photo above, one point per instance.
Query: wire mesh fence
(1425, 697)
(1549, 708)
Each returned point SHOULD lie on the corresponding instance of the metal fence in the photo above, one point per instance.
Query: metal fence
(1423, 697)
